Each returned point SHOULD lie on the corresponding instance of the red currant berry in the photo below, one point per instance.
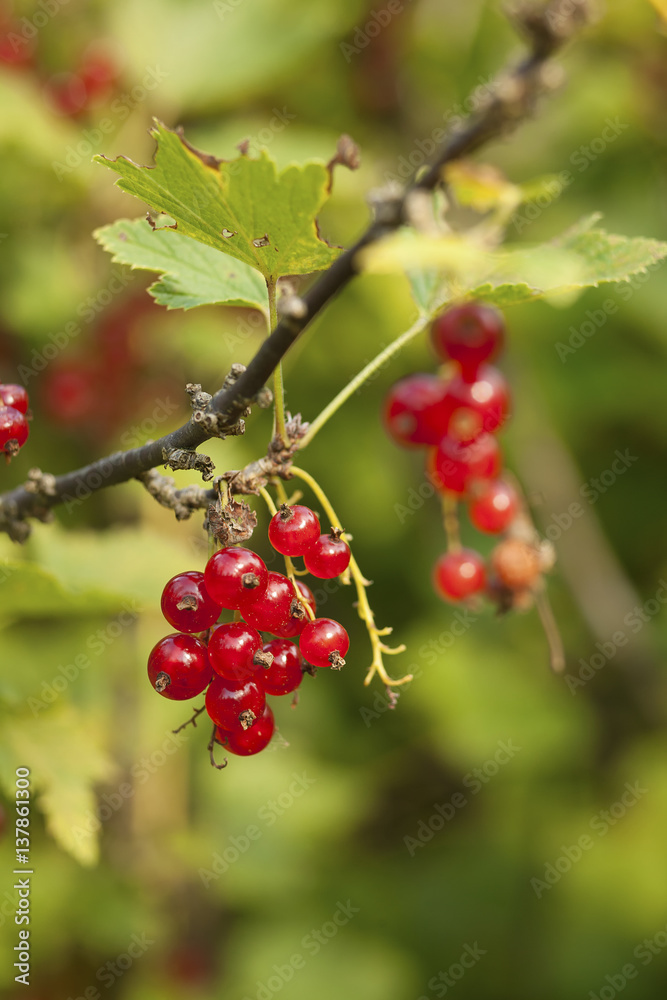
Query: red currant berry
(13, 430)
(298, 616)
(516, 563)
(324, 643)
(477, 406)
(328, 557)
(454, 465)
(231, 650)
(178, 667)
(186, 603)
(286, 672)
(494, 507)
(246, 742)
(234, 705)
(271, 611)
(233, 575)
(470, 334)
(415, 410)
(14, 395)
(293, 529)
(457, 575)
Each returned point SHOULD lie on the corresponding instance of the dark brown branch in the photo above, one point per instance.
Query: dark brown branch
(512, 100)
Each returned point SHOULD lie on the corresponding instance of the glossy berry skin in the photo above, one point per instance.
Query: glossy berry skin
(178, 667)
(324, 643)
(198, 611)
(270, 612)
(13, 430)
(454, 465)
(470, 334)
(231, 649)
(293, 530)
(285, 673)
(234, 705)
(246, 742)
(234, 575)
(494, 507)
(14, 395)
(415, 410)
(328, 557)
(480, 405)
(458, 575)
(295, 622)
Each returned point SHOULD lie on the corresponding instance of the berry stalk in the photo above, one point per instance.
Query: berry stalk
(364, 610)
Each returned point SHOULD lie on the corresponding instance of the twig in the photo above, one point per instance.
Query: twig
(513, 99)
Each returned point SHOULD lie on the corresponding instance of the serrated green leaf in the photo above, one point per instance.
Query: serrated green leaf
(193, 274)
(242, 207)
(62, 751)
(583, 257)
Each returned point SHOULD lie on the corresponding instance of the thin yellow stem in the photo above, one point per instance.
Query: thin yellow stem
(363, 607)
(290, 572)
(279, 428)
(451, 522)
(364, 375)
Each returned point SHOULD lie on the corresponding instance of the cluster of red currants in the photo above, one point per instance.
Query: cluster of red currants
(231, 661)
(456, 416)
(13, 419)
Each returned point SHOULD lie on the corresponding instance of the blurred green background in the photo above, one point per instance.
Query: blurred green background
(366, 858)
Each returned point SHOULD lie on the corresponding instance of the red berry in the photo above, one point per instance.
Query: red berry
(298, 616)
(415, 410)
(494, 507)
(328, 557)
(270, 612)
(454, 465)
(233, 575)
(234, 705)
(324, 643)
(231, 649)
(470, 334)
(285, 673)
(293, 529)
(13, 430)
(66, 94)
(71, 392)
(246, 742)
(14, 395)
(480, 405)
(15, 49)
(457, 575)
(178, 667)
(186, 603)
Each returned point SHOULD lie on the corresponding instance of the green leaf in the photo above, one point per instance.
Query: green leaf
(242, 207)
(62, 751)
(583, 257)
(192, 274)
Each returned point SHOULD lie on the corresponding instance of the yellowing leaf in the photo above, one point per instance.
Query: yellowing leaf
(243, 207)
